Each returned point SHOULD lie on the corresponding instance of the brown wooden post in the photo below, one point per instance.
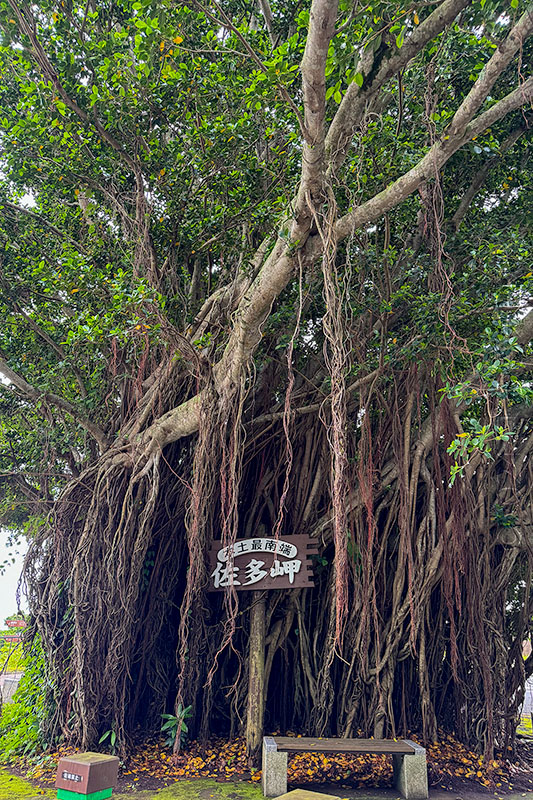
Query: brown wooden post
(256, 680)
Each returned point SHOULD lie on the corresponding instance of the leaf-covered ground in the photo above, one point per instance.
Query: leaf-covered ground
(451, 767)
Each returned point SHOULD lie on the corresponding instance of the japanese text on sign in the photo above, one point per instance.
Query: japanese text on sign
(254, 572)
(261, 562)
(71, 776)
(258, 546)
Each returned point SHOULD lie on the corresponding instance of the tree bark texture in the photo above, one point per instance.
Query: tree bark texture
(256, 680)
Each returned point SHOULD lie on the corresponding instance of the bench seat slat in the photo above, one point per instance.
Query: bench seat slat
(292, 744)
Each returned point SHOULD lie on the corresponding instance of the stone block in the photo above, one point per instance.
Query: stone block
(274, 774)
(304, 794)
(411, 773)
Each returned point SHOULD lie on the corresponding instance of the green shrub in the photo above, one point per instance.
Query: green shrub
(11, 655)
(21, 720)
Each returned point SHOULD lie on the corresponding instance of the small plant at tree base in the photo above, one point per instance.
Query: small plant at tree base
(175, 728)
(112, 736)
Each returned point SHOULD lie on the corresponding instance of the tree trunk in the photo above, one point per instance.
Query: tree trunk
(256, 679)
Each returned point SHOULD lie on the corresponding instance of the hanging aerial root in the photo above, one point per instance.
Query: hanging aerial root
(337, 361)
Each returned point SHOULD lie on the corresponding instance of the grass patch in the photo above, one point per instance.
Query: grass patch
(13, 788)
(210, 790)
(197, 790)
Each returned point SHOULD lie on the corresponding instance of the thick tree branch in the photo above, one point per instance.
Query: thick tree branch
(313, 408)
(322, 20)
(279, 267)
(53, 399)
(490, 73)
(266, 12)
(430, 164)
(174, 425)
(255, 305)
(352, 108)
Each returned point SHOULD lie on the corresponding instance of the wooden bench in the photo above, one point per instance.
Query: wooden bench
(408, 759)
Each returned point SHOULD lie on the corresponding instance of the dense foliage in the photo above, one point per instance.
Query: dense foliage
(268, 269)
(22, 722)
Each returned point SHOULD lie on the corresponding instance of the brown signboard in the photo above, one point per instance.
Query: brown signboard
(262, 562)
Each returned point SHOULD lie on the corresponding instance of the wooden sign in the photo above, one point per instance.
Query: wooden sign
(262, 563)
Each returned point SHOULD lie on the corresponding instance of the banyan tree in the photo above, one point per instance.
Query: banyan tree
(266, 271)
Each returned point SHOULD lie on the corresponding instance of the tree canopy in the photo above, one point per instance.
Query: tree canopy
(267, 268)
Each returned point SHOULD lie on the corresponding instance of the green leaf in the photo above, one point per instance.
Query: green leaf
(358, 78)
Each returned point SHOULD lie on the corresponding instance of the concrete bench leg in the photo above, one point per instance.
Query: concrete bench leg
(274, 775)
(411, 773)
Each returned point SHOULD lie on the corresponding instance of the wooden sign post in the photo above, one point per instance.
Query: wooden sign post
(256, 564)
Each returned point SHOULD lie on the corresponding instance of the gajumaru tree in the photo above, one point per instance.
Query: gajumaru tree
(266, 267)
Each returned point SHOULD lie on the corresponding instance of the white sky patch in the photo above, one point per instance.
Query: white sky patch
(310, 331)
(28, 200)
(493, 201)
(9, 578)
